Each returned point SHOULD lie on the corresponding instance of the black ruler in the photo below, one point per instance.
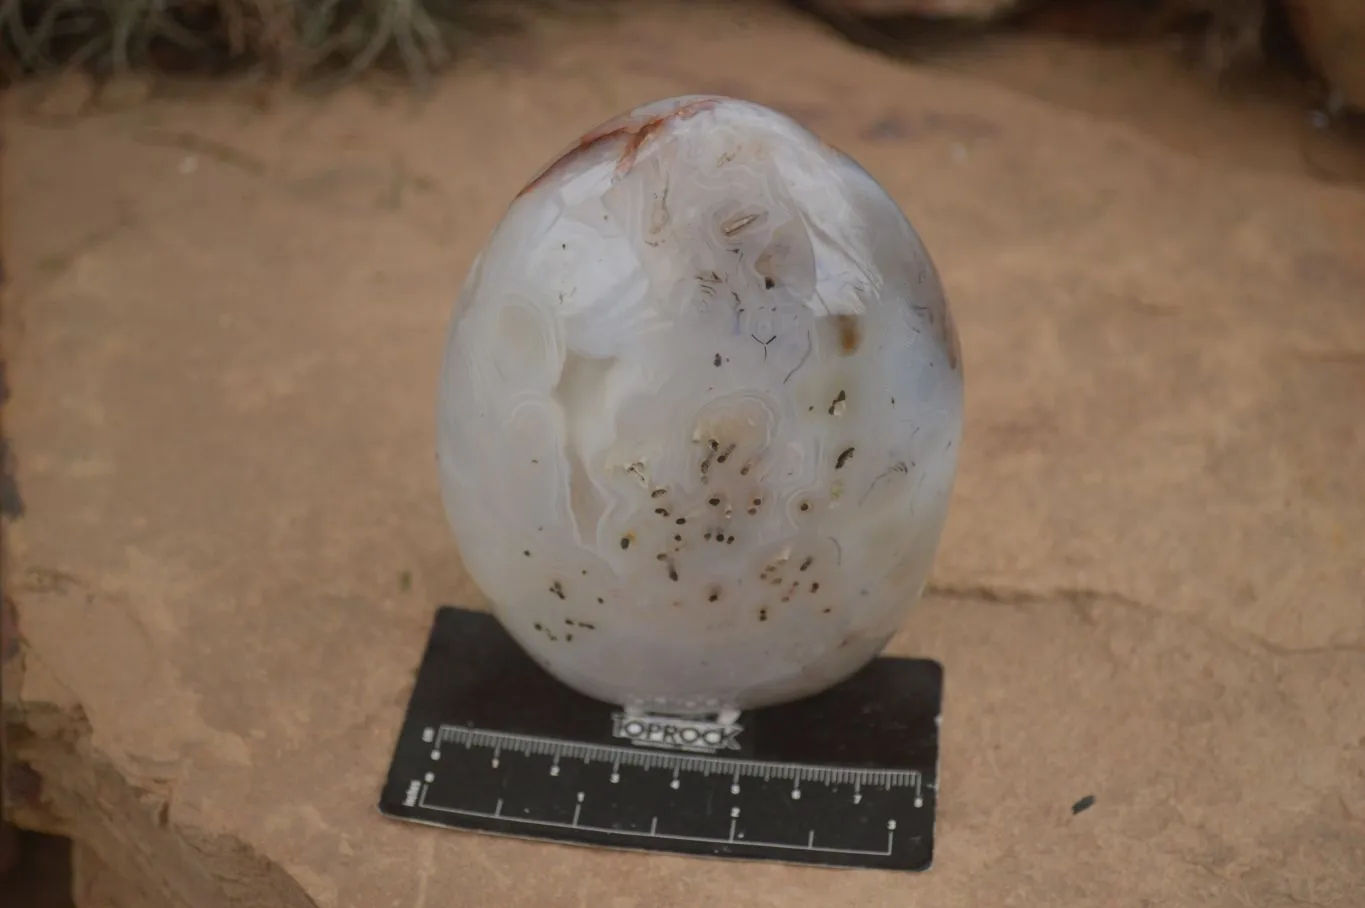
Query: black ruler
(493, 743)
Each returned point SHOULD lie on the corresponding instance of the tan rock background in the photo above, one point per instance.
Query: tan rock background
(222, 328)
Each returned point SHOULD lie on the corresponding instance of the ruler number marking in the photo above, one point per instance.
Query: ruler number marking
(528, 744)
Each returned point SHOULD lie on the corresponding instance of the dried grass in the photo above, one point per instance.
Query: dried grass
(295, 40)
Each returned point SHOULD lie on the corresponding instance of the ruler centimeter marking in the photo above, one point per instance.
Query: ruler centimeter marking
(654, 833)
(529, 745)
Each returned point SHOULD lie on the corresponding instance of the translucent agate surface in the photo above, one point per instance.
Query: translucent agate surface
(699, 412)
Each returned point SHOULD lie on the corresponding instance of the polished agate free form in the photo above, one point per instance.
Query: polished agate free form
(699, 412)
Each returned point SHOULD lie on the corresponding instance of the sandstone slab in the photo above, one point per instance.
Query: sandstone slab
(223, 327)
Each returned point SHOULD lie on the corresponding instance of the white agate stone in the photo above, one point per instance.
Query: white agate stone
(699, 413)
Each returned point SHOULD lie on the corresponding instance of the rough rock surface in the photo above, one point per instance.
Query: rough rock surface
(966, 9)
(223, 328)
(1333, 36)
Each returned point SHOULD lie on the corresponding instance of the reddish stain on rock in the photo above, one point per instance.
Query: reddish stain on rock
(850, 333)
(632, 129)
